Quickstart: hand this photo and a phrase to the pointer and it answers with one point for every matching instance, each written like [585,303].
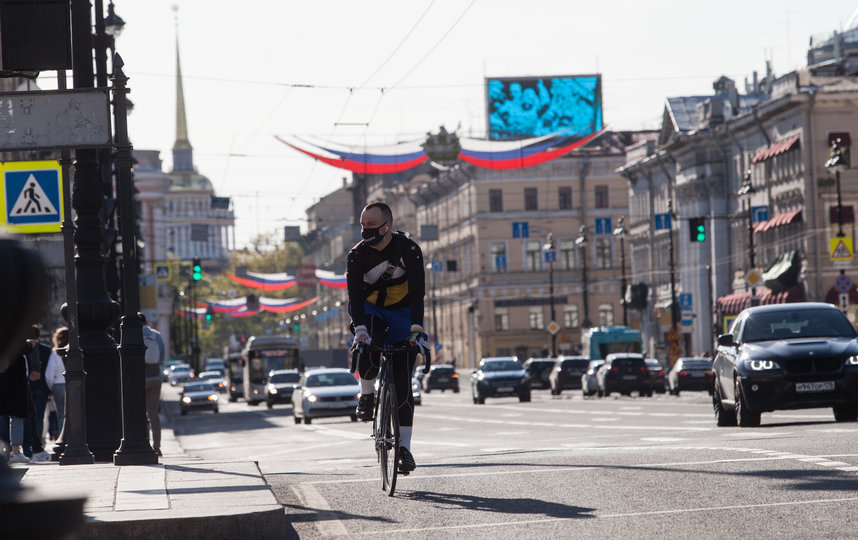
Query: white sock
[367,386]
[405,436]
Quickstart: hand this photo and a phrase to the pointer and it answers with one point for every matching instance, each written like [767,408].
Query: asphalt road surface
[557,467]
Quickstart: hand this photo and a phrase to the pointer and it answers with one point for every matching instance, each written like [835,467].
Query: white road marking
[326,521]
[610,516]
[662,439]
[433,476]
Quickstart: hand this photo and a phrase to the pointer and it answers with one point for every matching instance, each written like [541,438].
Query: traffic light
[697,229]
[197,270]
[296,327]
[209,314]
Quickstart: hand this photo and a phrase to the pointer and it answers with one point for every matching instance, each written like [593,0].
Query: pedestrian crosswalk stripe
[33,201]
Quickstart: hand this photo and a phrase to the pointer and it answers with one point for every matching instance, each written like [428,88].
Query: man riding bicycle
[386,286]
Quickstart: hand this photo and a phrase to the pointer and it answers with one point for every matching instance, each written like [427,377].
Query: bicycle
[385,417]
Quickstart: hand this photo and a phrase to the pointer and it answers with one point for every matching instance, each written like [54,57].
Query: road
[557,467]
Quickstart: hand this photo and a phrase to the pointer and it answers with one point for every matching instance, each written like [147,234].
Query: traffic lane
[668,491]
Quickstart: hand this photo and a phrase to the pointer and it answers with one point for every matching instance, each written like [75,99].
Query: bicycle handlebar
[386,349]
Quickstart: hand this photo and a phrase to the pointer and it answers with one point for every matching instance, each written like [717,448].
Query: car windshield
[502,365]
[696,364]
[181,369]
[331,379]
[571,364]
[797,324]
[627,362]
[442,371]
[285,378]
[207,376]
[199,387]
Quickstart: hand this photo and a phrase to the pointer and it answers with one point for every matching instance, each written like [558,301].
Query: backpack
[153,352]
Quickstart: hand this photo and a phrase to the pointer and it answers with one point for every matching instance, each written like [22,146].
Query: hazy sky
[253,70]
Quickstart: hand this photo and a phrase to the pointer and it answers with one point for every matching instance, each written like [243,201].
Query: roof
[683,111]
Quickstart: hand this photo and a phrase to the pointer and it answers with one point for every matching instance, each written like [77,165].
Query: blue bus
[600,341]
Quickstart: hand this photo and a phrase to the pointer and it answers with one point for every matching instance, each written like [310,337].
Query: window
[566,254]
[533,256]
[501,319]
[495,200]
[536,317]
[564,198]
[602,200]
[530,199]
[604,258]
[606,315]
[497,254]
[570,316]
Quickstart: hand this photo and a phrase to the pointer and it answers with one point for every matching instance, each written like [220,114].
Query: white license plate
[630,377]
[820,386]
[504,389]
[698,374]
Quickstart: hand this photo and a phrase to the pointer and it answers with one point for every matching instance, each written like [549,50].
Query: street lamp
[620,232]
[581,242]
[431,268]
[550,256]
[834,164]
[748,190]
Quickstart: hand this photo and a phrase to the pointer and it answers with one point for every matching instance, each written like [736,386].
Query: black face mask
[372,236]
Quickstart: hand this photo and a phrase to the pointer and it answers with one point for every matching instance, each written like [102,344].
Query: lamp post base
[135,453]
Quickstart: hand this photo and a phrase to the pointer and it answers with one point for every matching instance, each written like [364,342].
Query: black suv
[441,377]
[538,370]
[498,377]
[566,374]
[624,373]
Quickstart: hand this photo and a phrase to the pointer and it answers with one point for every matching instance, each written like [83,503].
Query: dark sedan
[786,356]
[498,377]
[690,374]
[566,374]
[624,373]
[198,395]
[280,385]
[441,377]
[657,375]
[538,370]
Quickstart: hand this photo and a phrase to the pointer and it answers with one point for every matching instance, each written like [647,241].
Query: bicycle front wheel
[388,439]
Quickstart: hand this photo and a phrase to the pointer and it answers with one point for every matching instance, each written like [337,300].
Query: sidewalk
[182,497]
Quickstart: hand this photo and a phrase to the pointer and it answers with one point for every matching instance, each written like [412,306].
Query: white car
[324,393]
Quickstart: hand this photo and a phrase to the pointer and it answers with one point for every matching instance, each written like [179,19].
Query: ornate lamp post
[581,242]
[550,256]
[834,164]
[620,232]
[748,190]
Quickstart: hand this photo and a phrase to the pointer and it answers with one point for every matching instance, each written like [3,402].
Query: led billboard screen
[522,107]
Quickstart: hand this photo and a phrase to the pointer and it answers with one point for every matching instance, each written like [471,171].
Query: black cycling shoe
[365,407]
[406,461]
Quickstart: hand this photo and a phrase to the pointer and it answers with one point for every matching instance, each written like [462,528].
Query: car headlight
[415,387]
[762,365]
[312,398]
[186,399]
[358,395]
[852,361]
[272,389]
[213,397]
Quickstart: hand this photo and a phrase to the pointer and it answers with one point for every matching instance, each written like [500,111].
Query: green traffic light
[296,328]
[701,233]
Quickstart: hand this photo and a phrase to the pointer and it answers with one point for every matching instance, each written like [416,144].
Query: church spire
[183,153]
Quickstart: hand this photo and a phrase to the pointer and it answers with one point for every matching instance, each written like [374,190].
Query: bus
[261,355]
[600,341]
[235,375]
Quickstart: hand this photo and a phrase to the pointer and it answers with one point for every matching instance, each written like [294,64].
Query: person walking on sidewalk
[37,401]
[155,360]
[13,407]
[55,375]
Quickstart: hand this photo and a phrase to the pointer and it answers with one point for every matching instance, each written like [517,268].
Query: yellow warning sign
[841,248]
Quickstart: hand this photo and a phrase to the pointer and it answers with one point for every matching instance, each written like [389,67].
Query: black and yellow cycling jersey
[391,278]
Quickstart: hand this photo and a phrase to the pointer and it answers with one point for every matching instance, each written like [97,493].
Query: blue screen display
[522,107]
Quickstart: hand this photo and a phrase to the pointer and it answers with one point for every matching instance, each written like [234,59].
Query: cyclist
[386,286]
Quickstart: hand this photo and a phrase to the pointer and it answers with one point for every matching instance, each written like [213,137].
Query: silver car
[324,393]
[589,384]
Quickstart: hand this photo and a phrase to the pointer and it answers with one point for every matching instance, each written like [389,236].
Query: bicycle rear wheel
[387,443]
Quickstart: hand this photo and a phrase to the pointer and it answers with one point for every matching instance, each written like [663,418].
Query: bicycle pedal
[403,473]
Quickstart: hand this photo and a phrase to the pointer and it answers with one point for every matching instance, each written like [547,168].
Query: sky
[378,72]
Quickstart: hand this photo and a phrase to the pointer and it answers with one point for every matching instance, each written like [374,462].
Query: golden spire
[182,150]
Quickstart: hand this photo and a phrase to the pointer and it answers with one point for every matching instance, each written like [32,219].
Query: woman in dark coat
[13,404]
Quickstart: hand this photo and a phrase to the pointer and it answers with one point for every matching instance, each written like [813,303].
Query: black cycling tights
[403,368]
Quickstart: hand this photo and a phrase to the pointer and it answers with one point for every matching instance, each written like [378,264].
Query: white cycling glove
[419,338]
[361,335]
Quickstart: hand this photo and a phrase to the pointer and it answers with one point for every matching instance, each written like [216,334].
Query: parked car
[415,391]
[690,373]
[325,392]
[786,356]
[198,395]
[538,370]
[656,375]
[181,374]
[441,377]
[500,376]
[216,364]
[280,385]
[168,369]
[215,378]
[589,384]
[624,373]
[566,373]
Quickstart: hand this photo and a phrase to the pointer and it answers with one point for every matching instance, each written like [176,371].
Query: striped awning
[776,149]
[733,304]
[779,220]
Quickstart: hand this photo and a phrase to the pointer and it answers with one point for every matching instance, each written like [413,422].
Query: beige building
[489,295]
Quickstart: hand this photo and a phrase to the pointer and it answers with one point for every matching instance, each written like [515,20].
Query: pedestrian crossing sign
[32,196]
[162,272]
[841,248]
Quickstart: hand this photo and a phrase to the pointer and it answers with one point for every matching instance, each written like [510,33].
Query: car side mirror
[726,340]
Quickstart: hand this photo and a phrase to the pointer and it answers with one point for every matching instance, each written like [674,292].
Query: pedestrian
[55,375]
[155,361]
[13,406]
[37,365]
